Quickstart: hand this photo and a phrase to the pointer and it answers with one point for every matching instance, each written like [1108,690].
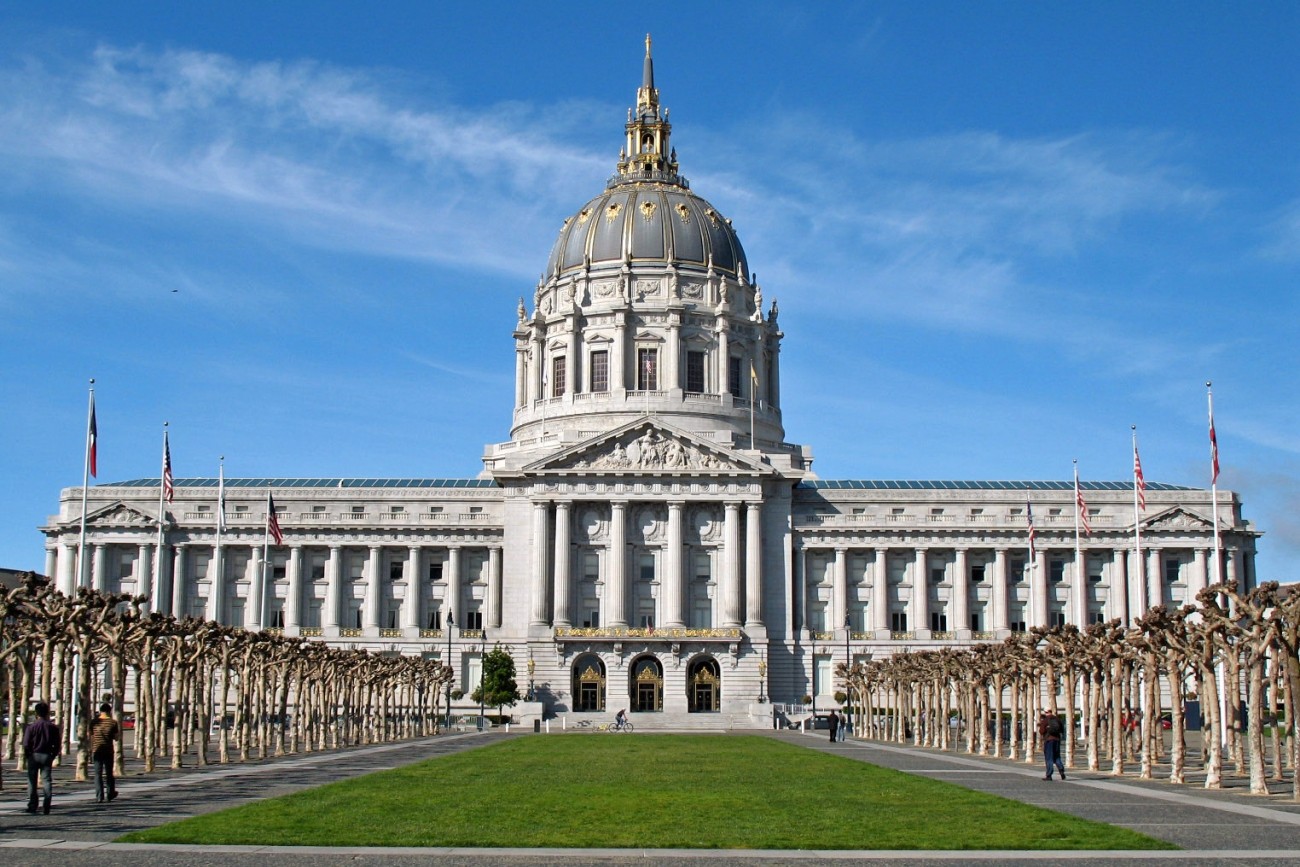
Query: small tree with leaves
[499,688]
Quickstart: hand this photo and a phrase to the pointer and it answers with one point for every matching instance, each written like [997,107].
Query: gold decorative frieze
[311,632]
[431,633]
[349,633]
[390,633]
[621,632]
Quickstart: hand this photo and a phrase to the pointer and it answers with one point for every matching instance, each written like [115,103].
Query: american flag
[1139,483]
[273,521]
[92,439]
[1080,504]
[168,483]
[1214,450]
[1033,534]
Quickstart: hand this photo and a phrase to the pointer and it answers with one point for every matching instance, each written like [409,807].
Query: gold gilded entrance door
[648,686]
[590,691]
[704,691]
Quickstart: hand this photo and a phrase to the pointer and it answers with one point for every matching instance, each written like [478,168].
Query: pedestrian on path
[42,744]
[1051,729]
[844,726]
[105,732]
[834,721]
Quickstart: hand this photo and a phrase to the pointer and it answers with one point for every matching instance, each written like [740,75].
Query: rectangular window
[390,618]
[898,621]
[977,573]
[435,616]
[733,377]
[1172,571]
[976,621]
[358,510]
[241,509]
[558,371]
[474,620]
[318,571]
[1056,571]
[647,369]
[316,510]
[395,570]
[1095,578]
[592,620]
[1017,571]
[435,572]
[1056,618]
[938,622]
[277,618]
[397,510]
[936,574]
[896,510]
[600,371]
[1017,626]
[279,572]
[695,383]
[1094,617]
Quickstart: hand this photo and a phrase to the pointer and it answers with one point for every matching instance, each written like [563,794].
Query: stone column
[674,579]
[616,581]
[563,566]
[179,580]
[839,589]
[333,613]
[921,594]
[1137,585]
[724,358]
[1038,589]
[618,355]
[374,589]
[880,592]
[52,563]
[754,564]
[67,582]
[494,587]
[1118,596]
[1001,603]
[1201,577]
[99,567]
[452,603]
[774,382]
[293,593]
[541,523]
[1232,566]
[413,578]
[162,588]
[257,590]
[799,610]
[537,384]
[1078,612]
[521,377]
[959,605]
[731,592]
[217,584]
[1155,578]
[144,570]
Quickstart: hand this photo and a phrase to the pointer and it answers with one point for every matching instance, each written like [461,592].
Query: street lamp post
[813,681]
[848,663]
[451,621]
[482,673]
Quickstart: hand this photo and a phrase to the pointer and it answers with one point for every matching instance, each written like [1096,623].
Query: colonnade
[739,585]
[150,574]
[1126,590]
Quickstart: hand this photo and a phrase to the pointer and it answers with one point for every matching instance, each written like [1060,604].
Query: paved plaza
[1226,827]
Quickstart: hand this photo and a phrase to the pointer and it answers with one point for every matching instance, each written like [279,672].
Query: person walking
[105,733]
[42,744]
[834,721]
[844,726]
[1051,729]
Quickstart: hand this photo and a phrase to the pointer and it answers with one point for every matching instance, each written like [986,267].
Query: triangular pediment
[1177,519]
[650,446]
[120,514]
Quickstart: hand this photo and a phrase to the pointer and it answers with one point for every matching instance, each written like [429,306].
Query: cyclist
[620,719]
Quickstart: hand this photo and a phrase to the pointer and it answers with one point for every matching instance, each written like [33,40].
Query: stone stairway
[667,721]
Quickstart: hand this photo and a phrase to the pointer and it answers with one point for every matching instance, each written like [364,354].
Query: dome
[647,223]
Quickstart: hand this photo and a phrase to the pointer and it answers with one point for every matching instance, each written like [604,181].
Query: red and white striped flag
[1214,448]
[1139,482]
[273,521]
[1033,534]
[168,483]
[1081,505]
[92,440]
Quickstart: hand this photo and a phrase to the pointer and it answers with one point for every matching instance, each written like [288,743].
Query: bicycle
[625,727]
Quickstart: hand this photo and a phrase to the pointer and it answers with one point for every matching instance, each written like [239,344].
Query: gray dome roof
[647,223]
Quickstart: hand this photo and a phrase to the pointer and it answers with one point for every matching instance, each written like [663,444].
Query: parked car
[128,722]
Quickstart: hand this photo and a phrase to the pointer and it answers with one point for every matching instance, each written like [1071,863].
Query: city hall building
[647,538]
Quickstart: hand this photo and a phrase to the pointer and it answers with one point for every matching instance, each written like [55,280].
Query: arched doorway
[704,686]
[647,685]
[588,683]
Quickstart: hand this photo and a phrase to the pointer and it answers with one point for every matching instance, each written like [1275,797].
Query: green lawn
[689,791]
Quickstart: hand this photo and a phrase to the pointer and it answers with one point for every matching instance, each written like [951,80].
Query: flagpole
[1214,486]
[162,517]
[266,547]
[85,485]
[1137,535]
[1080,586]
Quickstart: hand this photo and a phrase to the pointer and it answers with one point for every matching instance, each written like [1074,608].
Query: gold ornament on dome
[647,210]
[611,213]
[583,216]
[684,212]
[713,216]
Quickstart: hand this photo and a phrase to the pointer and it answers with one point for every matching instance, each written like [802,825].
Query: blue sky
[1000,234]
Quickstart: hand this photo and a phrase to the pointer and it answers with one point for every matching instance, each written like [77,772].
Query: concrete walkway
[1213,827]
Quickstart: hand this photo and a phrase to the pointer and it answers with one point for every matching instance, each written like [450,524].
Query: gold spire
[648,154]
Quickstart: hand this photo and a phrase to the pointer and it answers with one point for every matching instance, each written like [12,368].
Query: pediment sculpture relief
[650,451]
[1179,520]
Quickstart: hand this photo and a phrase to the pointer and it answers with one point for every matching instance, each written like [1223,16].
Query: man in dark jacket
[834,725]
[104,734]
[1051,728]
[42,744]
